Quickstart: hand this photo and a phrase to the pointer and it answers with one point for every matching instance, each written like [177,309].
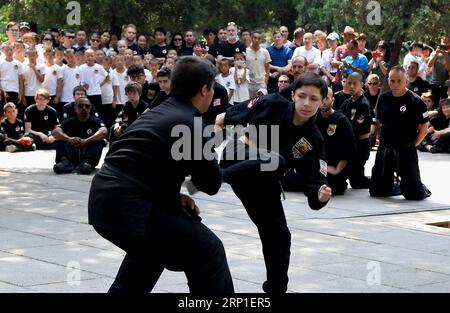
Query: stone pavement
[355,244]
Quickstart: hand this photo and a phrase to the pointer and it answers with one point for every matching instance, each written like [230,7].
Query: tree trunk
[395,55]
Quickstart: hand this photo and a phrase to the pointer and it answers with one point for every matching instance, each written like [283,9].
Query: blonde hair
[42,92]
[9,105]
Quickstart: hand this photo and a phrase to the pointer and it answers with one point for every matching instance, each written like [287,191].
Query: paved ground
[355,244]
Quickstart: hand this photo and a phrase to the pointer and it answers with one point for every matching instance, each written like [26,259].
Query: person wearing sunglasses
[372,94]
[79,141]
[69,39]
[95,41]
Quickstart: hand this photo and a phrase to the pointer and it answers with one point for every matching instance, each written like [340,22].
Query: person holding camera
[440,61]
[135,200]
[380,64]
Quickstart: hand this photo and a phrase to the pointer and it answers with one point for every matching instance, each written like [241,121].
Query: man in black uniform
[136,73]
[79,141]
[135,199]
[403,119]
[342,95]
[12,131]
[163,78]
[415,82]
[40,120]
[255,180]
[340,143]
[132,109]
[69,108]
[357,110]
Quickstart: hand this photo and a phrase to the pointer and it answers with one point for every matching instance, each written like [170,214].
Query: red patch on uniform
[251,103]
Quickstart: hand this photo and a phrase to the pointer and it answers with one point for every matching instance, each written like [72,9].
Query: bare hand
[188,202]
[220,120]
[324,193]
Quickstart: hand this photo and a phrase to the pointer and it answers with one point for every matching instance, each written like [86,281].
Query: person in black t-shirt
[40,120]
[403,118]
[340,143]
[79,141]
[342,95]
[12,132]
[438,137]
[372,94]
[132,109]
[163,78]
[416,83]
[160,49]
[357,110]
[233,44]
[69,108]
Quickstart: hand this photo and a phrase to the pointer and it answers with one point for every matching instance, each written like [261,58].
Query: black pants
[438,92]
[40,145]
[175,241]
[58,107]
[96,100]
[338,183]
[405,163]
[109,114]
[356,166]
[90,153]
[259,192]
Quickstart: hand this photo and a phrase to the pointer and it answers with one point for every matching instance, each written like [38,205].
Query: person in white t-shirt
[312,54]
[226,79]
[109,95]
[59,57]
[33,77]
[70,78]
[241,75]
[52,76]
[93,76]
[258,64]
[121,80]
[19,51]
[11,79]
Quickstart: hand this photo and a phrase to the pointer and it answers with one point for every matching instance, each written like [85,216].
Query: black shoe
[270,289]
[422,148]
[435,149]
[85,168]
[63,167]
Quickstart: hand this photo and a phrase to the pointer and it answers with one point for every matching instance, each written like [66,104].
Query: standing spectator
[19,51]
[415,52]
[68,39]
[121,47]
[339,55]
[246,37]
[298,39]
[12,31]
[95,42]
[226,79]
[285,32]
[121,79]
[177,42]
[189,39]
[130,38]
[53,74]
[142,45]
[81,41]
[105,39]
[327,57]
[159,50]
[320,39]
[362,42]
[70,78]
[440,61]
[380,64]
[258,63]
[233,44]
[355,61]
[312,54]
[281,60]
[33,77]
[241,75]
[283,82]
[113,42]
[210,36]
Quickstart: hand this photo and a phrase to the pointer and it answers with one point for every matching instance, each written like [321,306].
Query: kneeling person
[79,141]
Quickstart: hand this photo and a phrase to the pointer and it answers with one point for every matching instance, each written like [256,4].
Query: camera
[443,47]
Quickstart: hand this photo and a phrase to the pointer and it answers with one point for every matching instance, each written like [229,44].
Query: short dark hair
[135,70]
[311,79]
[208,31]
[163,72]
[246,30]
[353,42]
[77,101]
[160,30]
[398,68]
[79,88]
[357,76]
[185,69]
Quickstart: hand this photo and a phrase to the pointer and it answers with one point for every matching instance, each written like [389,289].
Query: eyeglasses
[372,84]
[71,37]
[95,40]
[86,106]
[14,29]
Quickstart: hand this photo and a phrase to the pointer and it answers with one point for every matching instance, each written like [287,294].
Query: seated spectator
[40,120]
[79,141]
[132,109]
[283,82]
[438,137]
[12,132]
[69,108]
[163,77]
[428,98]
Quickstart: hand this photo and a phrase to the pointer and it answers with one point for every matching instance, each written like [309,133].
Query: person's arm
[422,132]
[21,96]
[437,134]
[335,170]
[59,87]
[29,129]
[115,97]
[433,58]
[244,75]
[99,135]
[59,134]
[40,76]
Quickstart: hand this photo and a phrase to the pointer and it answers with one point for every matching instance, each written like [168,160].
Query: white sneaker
[10,148]
[33,147]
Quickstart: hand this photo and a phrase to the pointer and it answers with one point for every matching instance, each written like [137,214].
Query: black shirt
[339,98]
[13,131]
[158,99]
[159,51]
[338,135]
[214,49]
[228,50]
[373,103]
[419,86]
[400,118]
[130,113]
[141,179]
[218,105]
[440,122]
[73,127]
[134,47]
[69,110]
[186,51]
[41,121]
[358,112]
[301,146]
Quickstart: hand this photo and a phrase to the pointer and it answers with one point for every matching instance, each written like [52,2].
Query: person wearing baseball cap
[24,28]
[333,36]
